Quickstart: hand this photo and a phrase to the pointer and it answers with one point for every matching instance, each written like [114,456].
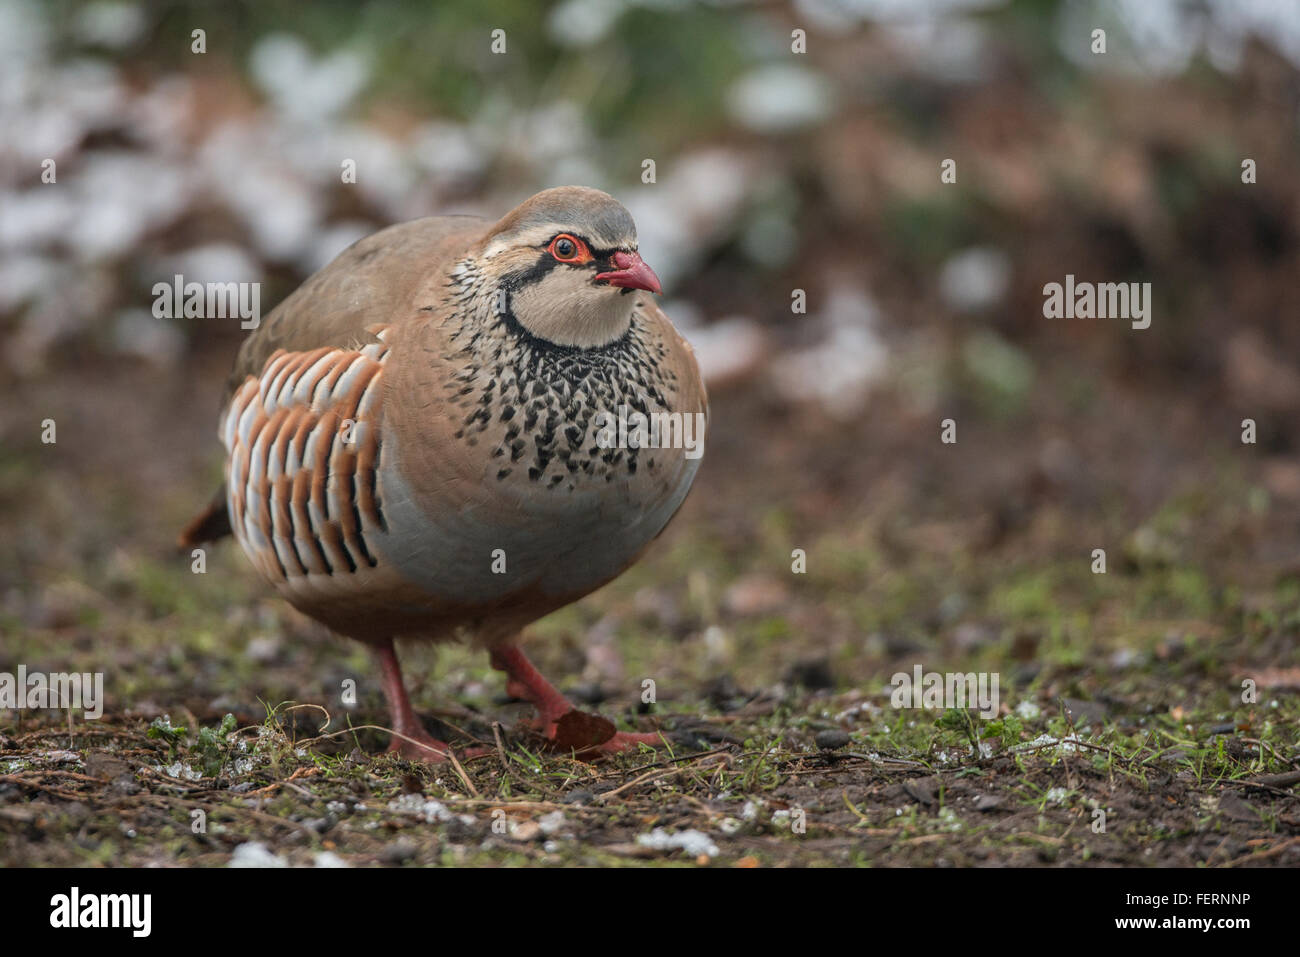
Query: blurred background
[775,171]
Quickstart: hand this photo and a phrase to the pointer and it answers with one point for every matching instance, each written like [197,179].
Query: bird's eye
[569,249]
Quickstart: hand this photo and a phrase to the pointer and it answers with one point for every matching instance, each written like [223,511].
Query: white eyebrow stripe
[540,235]
[532,236]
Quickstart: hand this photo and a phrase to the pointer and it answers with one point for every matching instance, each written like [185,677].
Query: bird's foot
[567,728]
[590,736]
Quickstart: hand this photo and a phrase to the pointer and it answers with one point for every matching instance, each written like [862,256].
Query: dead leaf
[580,731]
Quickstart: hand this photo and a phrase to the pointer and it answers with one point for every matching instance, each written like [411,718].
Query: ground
[1121,693]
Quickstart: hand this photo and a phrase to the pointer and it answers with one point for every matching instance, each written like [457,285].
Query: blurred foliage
[657,77]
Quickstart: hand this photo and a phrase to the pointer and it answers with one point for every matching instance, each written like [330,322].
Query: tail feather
[210,524]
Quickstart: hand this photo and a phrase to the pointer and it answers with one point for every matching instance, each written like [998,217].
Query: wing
[303,453]
[368,285]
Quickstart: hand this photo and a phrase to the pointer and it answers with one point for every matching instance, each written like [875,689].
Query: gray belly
[488,538]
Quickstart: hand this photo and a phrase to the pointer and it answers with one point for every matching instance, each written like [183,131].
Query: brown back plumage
[369,283]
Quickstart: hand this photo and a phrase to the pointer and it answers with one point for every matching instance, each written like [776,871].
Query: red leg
[415,743]
[526,682]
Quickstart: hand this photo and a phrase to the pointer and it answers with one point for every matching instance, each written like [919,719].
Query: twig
[517,805]
[1271,852]
[300,773]
[1264,744]
[684,757]
[1273,780]
[501,749]
[648,776]
[464,778]
[18,779]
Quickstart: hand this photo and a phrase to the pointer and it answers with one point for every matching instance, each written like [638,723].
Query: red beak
[632,273]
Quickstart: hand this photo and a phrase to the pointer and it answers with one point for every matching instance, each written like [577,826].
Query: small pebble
[832,739]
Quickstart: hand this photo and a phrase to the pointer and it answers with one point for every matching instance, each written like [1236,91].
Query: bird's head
[566,265]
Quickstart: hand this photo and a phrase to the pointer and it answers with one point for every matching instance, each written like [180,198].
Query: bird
[414,449]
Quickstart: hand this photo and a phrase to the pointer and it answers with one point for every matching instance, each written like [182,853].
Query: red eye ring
[568,248]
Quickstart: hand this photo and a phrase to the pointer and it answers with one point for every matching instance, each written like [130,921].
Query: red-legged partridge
[412,435]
